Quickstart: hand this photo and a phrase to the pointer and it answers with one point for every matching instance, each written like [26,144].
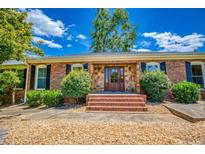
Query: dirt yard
[157,127]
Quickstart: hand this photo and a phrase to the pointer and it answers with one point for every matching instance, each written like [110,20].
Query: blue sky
[68,31]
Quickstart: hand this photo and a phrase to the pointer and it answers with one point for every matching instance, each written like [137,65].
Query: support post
[26,84]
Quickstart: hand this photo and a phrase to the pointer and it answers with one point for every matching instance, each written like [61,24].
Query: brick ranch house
[113,72]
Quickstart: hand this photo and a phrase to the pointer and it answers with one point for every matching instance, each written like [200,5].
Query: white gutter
[26,84]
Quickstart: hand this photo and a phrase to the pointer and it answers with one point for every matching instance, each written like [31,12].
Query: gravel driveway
[70,127]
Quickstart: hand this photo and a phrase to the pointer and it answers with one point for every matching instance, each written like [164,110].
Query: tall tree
[101,29]
[113,32]
[15,35]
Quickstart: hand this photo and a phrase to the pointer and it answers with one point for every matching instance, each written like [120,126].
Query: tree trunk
[13,97]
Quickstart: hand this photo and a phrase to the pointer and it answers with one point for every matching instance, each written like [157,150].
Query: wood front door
[114,79]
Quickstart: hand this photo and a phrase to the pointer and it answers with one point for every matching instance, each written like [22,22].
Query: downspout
[26,84]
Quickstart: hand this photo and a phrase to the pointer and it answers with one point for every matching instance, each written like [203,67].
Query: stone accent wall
[138,77]
[58,72]
[98,78]
[129,74]
[130,77]
[176,70]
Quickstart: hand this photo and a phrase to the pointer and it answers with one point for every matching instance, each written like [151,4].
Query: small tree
[8,82]
[155,84]
[76,85]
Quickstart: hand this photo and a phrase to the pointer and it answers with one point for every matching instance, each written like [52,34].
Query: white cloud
[173,42]
[69,37]
[72,25]
[69,45]
[81,36]
[22,9]
[140,50]
[43,25]
[134,46]
[145,44]
[50,44]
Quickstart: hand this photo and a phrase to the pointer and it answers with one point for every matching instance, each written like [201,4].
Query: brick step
[116,108]
[117,95]
[116,104]
[116,99]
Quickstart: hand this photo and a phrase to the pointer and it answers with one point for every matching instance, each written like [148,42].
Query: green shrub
[76,85]
[8,81]
[52,98]
[186,92]
[44,97]
[155,84]
[34,98]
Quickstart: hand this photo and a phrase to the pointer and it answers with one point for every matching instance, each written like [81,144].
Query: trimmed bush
[76,85]
[52,98]
[34,98]
[49,98]
[155,84]
[186,92]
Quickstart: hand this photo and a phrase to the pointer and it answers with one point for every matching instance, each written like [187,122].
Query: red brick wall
[58,72]
[176,70]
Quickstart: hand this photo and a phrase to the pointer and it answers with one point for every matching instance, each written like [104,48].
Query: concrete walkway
[3,133]
[102,116]
[191,112]
[17,110]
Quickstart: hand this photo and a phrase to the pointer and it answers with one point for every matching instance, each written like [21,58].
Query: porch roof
[120,56]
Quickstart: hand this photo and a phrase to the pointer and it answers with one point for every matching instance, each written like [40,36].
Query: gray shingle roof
[97,54]
[12,62]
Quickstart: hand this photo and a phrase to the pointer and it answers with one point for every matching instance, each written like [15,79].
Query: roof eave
[116,58]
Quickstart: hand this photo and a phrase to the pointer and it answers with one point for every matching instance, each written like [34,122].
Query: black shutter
[24,79]
[48,76]
[143,66]
[85,67]
[33,72]
[188,72]
[68,68]
[163,67]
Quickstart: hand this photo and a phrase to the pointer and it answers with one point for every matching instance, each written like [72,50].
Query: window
[21,78]
[77,67]
[197,69]
[114,75]
[41,73]
[152,66]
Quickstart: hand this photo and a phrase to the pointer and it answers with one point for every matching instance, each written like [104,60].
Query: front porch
[115,77]
[114,87]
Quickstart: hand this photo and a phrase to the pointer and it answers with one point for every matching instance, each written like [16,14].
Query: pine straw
[65,131]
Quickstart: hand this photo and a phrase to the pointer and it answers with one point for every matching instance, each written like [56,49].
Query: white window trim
[76,65]
[152,63]
[203,68]
[36,76]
